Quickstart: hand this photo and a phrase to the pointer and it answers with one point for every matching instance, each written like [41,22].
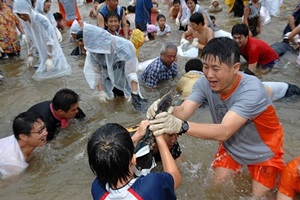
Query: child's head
[111,154]
[196,19]
[96,3]
[193,64]
[59,20]
[215,3]
[131,9]
[112,21]
[151,31]
[213,19]
[161,20]
[79,38]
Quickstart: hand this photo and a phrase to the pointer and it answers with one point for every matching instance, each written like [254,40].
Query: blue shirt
[157,71]
[142,11]
[154,186]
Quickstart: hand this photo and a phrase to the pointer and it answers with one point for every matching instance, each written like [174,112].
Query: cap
[151,28]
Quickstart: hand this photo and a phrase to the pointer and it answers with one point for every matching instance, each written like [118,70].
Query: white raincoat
[110,61]
[40,9]
[42,34]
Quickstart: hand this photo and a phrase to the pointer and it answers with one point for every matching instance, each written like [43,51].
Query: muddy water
[60,169]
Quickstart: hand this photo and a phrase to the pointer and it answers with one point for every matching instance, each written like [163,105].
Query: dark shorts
[141,26]
[269,65]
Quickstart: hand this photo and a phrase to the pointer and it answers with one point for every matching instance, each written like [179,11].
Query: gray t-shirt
[254,142]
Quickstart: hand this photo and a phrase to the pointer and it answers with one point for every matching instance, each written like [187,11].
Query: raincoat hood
[75,28]
[96,39]
[22,7]
[40,6]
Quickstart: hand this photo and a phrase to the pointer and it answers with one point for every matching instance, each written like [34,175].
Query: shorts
[269,65]
[264,174]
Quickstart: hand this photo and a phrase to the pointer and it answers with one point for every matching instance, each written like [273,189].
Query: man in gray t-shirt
[245,121]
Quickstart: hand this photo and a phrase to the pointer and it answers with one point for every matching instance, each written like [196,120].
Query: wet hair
[167,45]
[64,99]
[193,64]
[23,123]
[131,9]
[241,29]
[99,1]
[57,16]
[212,17]
[197,18]
[195,1]
[226,49]
[176,1]
[111,15]
[160,16]
[110,151]
[150,36]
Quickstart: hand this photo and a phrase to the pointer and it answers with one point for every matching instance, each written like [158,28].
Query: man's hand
[151,112]
[49,64]
[30,61]
[165,123]
[184,41]
[195,42]
[177,21]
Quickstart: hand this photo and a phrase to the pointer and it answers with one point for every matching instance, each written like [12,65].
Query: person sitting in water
[15,150]
[175,10]
[111,158]
[199,31]
[151,32]
[289,182]
[193,69]
[79,50]
[256,52]
[163,67]
[112,22]
[58,112]
[162,27]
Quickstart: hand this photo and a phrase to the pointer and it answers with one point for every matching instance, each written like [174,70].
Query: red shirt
[258,51]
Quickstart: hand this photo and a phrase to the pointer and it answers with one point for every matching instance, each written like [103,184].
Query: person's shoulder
[155,178]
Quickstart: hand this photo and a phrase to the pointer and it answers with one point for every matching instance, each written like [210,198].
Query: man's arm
[252,67]
[100,20]
[219,132]
[245,21]
[124,25]
[185,110]
[291,21]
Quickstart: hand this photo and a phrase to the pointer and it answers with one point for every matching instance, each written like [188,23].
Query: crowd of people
[245,123]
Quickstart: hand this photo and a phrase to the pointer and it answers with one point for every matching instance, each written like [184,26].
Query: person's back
[112,146]
[193,69]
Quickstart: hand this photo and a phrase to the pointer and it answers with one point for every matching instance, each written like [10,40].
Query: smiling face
[240,39]
[113,24]
[220,76]
[191,4]
[47,6]
[38,134]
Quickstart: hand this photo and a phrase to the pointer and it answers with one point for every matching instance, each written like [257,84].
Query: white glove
[102,96]
[24,39]
[165,123]
[177,21]
[49,64]
[151,112]
[185,22]
[30,61]
[184,41]
[195,42]
[58,34]
[159,11]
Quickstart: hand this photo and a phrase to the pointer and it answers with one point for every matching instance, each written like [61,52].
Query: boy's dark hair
[160,16]
[226,49]
[64,99]
[57,16]
[23,123]
[79,35]
[212,17]
[193,64]
[241,29]
[110,15]
[195,1]
[197,18]
[131,9]
[175,1]
[99,1]
[110,151]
